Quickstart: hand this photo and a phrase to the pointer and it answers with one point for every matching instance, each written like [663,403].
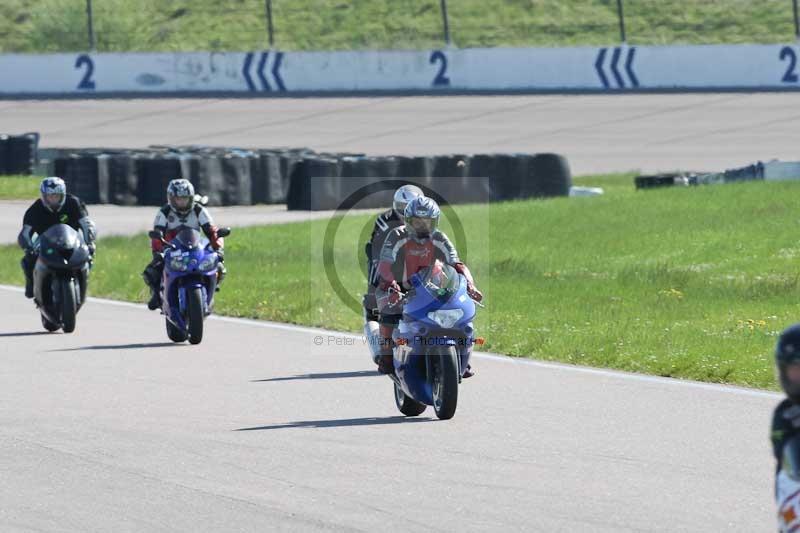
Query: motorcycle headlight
[176,263]
[208,263]
[447,318]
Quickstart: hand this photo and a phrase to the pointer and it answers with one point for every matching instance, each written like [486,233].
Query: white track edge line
[617,374]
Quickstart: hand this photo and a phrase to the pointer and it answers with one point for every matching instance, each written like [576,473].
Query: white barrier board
[621,68]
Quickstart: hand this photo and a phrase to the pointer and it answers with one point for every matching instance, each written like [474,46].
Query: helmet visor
[181,202]
[400,207]
[54,200]
[422,226]
[791,374]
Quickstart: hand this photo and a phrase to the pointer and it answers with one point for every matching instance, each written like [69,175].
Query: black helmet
[787,353]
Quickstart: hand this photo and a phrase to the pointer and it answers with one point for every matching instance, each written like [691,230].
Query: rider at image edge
[407,250]
[182,210]
[785,431]
[54,206]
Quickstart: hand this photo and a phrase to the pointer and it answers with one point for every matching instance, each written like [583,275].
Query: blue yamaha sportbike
[433,342]
[189,283]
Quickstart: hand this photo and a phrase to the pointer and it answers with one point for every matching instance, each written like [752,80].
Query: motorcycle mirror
[223,232]
[155,234]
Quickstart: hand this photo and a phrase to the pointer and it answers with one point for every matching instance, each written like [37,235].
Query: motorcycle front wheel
[195,304]
[69,307]
[444,381]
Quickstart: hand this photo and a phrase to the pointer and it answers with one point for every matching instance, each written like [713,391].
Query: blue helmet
[54,193]
[422,218]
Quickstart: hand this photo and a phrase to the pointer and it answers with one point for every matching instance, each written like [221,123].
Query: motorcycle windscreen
[790,462]
[440,279]
[188,238]
[59,237]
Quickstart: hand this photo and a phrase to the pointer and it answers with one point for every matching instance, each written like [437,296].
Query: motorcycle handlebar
[404,295]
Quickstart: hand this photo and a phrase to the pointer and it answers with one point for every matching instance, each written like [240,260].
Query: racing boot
[386,364]
[152,278]
[386,360]
[155,300]
[28,277]
[221,273]
[28,287]
[468,373]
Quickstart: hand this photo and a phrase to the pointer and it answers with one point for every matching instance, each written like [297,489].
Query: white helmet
[54,193]
[180,195]
[403,196]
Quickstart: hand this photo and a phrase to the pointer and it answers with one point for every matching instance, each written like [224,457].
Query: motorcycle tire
[444,381]
[406,404]
[49,326]
[196,315]
[69,307]
[174,333]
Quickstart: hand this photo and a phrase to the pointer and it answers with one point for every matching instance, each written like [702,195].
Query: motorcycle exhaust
[371,331]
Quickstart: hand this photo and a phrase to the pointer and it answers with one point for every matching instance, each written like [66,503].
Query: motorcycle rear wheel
[406,404]
[49,326]
[174,333]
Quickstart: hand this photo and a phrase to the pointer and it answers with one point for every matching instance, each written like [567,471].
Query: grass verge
[146,25]
[19,187]
[685,282]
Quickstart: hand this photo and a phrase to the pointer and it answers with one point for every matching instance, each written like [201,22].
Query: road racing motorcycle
[432,343]
[188,283]
[61,276]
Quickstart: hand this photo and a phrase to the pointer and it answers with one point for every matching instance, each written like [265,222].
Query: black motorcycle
[61,277]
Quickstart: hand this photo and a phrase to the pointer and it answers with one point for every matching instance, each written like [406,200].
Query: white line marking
[617,374]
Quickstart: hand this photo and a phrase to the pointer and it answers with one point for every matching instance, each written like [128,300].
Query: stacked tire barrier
[324,183]
[304,179]
[759,171]
[18,153]
[140,177]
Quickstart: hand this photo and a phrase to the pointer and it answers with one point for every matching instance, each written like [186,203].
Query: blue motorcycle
[433,342]
[189,283]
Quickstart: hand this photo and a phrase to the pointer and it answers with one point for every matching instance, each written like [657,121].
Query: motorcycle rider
[786,418]
[407,250]
[54,206]
[180,211]
[384,225]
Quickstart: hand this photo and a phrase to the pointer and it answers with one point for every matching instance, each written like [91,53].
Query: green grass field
[144,25]
[686,282]
[19,187]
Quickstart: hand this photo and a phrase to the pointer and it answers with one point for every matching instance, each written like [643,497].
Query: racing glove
[395,292]
[474,293]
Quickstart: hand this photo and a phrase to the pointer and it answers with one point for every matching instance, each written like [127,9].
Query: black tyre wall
[80,175]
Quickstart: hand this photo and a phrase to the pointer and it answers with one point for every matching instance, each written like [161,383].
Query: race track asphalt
[597,133]
[265,427]
[259,428]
